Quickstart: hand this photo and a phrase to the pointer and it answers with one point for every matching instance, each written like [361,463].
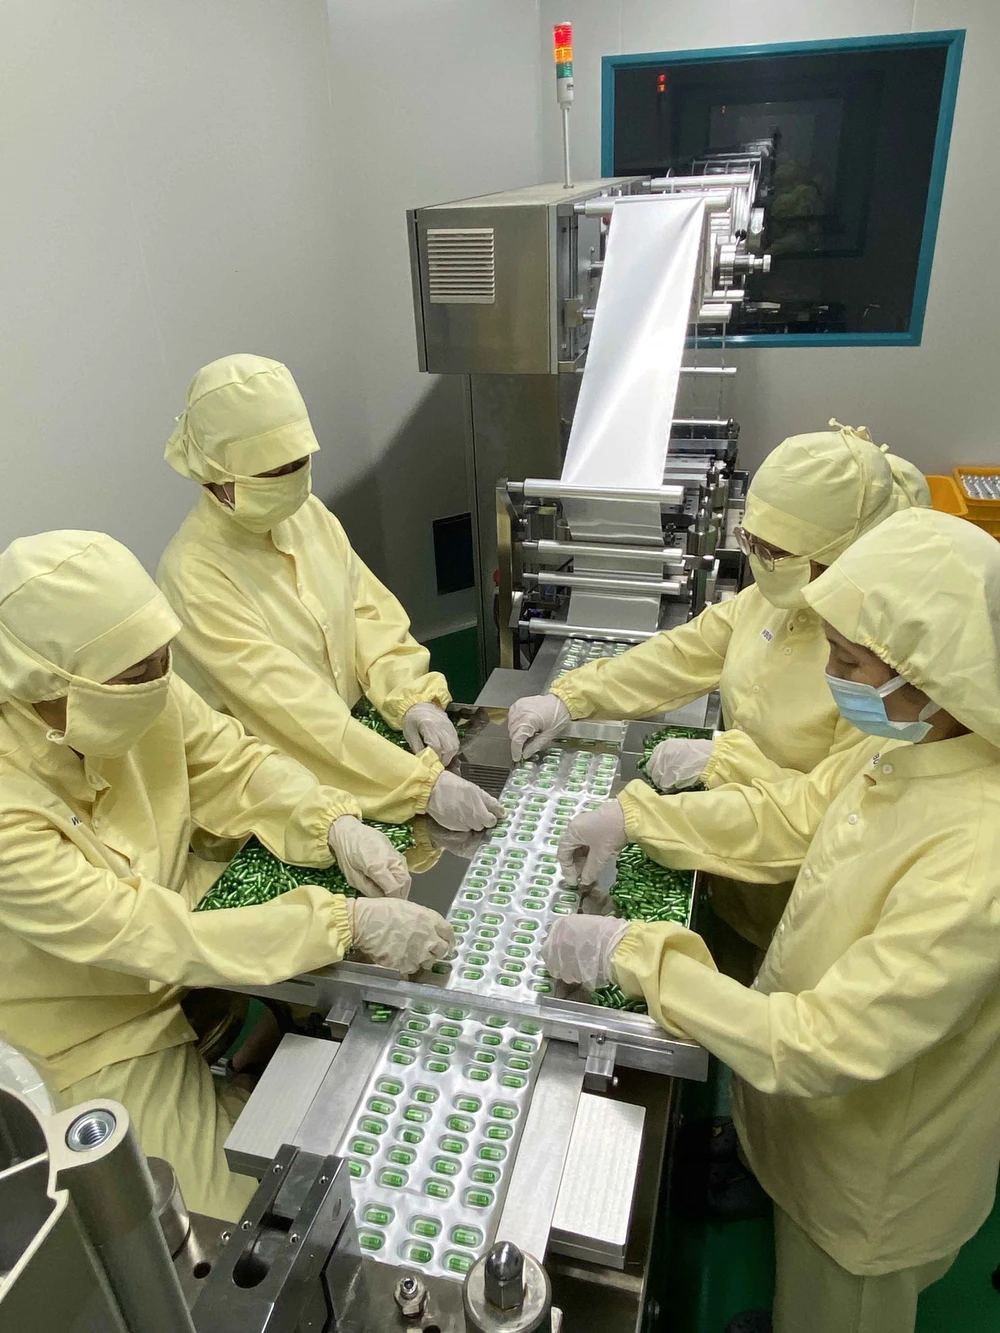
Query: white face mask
[261,503]
[106,721]
[784,584]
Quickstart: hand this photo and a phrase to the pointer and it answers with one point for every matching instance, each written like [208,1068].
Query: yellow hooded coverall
[867,1053]
[812,496]
[97,885]
[286,629]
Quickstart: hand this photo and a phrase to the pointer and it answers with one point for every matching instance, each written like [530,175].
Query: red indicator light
[562,41]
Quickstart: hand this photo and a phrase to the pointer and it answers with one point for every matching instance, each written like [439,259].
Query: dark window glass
[853,135]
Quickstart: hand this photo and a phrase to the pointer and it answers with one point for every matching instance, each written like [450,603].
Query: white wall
[169,196]
[933,403]
[439,100]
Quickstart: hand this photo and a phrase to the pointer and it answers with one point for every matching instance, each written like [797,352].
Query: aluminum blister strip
[436,1131]
[578,652]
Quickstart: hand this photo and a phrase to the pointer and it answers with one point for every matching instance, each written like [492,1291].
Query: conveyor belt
[437,1128]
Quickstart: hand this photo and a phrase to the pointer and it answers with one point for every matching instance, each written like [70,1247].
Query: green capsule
[512,965]
[377,1216]
[411,1135]
[484,1057]
[372,1126]
[446,1166]
[417,1025]
[419,1254]
[458,1263]
[460,1124]
[446,1030]
[442,969]
[490,1153]
[426,1095]
[364,1147]
[359,1169]
[505,980]
[516,951]
[520,938]
[390,1086]
[471,974]
[485,1175]
[411,1043]
[469,1236]
[391,1180]
[496,1021]
[468,1104]
[453,1145]
[519,1063]
[542,987]
[436,1066]
[416,1115]
[443,1047]
[501,1132]
[491,919]
[513,1081]
[371,1240]
[425,1226]
[477,1198]
[438,1189]
[455,1014]
[402,1156]
[477,1074]
[519,1044]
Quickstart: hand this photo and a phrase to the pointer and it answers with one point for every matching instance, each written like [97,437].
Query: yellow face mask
[262,503]
[784,584]
[106,721]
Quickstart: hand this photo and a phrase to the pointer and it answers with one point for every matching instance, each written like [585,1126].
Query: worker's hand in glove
[397,934]
[579,949]
[591,840]
[460,842]
[535,722]
[368,860]
[677,764]
[458,804]
[428,725]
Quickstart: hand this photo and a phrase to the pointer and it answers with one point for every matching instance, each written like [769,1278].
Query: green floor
[717,1271]
[456,656]
[721,1270]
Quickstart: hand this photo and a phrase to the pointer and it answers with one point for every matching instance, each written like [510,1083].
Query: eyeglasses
[751,545]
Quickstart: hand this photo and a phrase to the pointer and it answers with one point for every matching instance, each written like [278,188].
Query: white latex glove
[457,804]
[535,722]
[460,842]
[678,763]
[428,725]
[368,860]
[591,840]
[398,934]
[579,949]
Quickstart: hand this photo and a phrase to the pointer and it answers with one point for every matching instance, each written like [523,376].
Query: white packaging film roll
[621,428]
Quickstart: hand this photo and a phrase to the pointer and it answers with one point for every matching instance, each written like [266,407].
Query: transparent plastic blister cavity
[578,652]
[436,1131]
[435,1134]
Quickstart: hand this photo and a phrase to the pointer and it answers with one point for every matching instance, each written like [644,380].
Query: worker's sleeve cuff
[624,959]
[433,768]
[342,915]
[714,773]
[431,688]
[632,809]
[339,803]
[576,703]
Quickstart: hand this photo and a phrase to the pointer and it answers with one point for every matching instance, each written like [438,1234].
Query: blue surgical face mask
[864,707]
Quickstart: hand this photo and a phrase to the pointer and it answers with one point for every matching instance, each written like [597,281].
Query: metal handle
[594,582]
[541,488]
[543,547]
[560,629]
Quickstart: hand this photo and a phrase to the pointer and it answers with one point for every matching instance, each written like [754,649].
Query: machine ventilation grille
[461,264]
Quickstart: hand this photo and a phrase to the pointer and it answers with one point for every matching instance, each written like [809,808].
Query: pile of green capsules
[368,715]
[670,734]
[645,891]
[255,875]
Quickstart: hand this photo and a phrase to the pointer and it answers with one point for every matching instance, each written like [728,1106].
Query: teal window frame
[952,39]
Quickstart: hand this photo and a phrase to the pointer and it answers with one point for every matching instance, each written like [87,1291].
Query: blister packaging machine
[506,289]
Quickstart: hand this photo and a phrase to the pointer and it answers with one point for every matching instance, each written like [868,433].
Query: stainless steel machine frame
[505,288]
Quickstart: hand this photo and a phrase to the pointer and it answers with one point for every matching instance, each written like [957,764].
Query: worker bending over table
[867,1052]
[108,764]
[282,625]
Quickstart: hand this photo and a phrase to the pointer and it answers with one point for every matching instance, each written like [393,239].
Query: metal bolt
[225,1237]
[503,1277]
[410,1295]
[277,1168]
[245,1226]
[294,1238]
